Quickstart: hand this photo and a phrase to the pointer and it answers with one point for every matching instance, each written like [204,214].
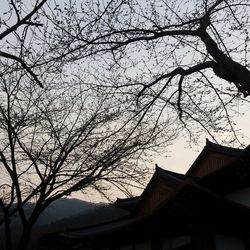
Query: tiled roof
[191,198]
[222,149]
[216,148]
[233,176]
[126,203]
[168,176]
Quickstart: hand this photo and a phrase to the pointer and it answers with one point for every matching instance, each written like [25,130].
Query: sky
[181,155]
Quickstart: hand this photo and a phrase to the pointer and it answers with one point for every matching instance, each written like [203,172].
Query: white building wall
[167,244]
[241,196]
[229,243]
[175,242]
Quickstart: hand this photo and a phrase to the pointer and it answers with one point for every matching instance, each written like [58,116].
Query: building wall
[241,196]
[155,195]
[229,243]
[211,162]
[161,244]
[173,243]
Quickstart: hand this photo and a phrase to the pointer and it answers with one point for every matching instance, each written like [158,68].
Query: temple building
[208,208]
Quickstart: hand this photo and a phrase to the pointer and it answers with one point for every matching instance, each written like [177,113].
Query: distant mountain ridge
[58,210]
[64,214]
[99,213]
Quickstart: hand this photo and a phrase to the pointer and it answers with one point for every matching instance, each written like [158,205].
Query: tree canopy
[89,88]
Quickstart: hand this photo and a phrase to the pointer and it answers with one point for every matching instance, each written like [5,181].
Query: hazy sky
[181,156]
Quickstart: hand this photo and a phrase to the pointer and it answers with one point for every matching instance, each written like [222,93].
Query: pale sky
[181,156]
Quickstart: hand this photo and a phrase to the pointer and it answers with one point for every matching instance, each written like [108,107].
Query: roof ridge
[222,148]
[166,171]
[167,174]
[217,148]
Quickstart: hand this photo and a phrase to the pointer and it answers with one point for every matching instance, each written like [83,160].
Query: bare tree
[87,88]
[188,57]
[61,139]
[69,135]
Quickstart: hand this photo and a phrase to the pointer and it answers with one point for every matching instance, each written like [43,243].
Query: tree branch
[22,21]
[24,65]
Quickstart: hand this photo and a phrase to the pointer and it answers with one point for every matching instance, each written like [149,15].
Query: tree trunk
[25,237]
[27,232]
[24,241]
[8,240]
